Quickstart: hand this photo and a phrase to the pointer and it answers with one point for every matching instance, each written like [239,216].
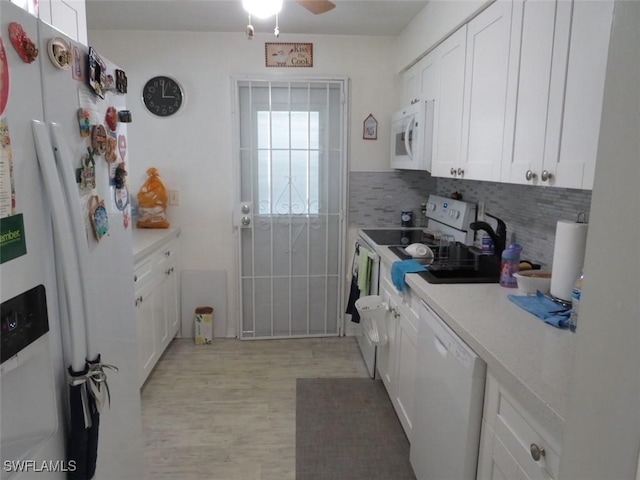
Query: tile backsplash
[531,213]
[377,198]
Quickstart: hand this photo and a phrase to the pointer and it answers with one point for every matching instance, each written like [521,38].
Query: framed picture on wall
[370,128]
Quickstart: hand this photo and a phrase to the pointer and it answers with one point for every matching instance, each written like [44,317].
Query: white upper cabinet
[485,96]
[558,58]
[537,72]
[518,93]
[442,79]
[410,86]
[584,93]
[68,16]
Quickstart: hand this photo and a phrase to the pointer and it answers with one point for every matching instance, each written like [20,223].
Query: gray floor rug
[346,429]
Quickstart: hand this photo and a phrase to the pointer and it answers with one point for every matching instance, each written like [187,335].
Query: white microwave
[412,136]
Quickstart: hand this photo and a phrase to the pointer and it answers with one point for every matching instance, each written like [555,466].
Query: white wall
[435,22]
[602,432]
[193,150]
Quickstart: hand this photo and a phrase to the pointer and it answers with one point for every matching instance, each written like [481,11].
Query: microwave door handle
[407,143]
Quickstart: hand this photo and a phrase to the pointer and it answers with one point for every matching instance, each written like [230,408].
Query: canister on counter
[406,218]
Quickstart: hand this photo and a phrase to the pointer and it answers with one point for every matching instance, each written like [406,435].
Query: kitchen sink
[462,265]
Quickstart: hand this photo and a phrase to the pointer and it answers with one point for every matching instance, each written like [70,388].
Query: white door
[290,215]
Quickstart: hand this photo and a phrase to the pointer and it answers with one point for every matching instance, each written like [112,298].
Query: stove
[395,237]
[447,216]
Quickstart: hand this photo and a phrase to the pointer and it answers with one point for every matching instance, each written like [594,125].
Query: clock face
[162,96]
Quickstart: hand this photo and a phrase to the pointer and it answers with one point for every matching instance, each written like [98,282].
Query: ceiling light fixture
[262,8]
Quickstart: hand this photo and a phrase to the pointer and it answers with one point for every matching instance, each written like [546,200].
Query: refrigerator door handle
[64,244]
[70,190]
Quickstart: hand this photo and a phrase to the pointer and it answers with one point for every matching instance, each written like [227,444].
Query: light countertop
[146,240]
[531,359]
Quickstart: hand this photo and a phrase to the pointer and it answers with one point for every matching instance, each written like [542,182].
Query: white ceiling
[350,17]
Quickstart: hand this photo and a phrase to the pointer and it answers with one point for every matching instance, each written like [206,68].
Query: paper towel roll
[568,257]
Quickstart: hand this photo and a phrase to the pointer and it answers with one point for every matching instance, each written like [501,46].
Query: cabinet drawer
[518,432]
[167,253]
[518,437]
[142,273]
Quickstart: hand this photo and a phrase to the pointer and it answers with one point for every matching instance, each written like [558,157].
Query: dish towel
[545,308]
[354,294]
[364,270]
[399,269]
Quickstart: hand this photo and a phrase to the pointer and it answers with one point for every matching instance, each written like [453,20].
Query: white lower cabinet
[513,445]
[385,361]
[397,359]
[157,307]
[148,307]
[407,360]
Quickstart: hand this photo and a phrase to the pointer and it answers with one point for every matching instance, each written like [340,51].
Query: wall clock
[162,96]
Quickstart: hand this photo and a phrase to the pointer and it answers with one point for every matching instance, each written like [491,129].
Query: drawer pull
[167,253]
[537,452]
[135,278]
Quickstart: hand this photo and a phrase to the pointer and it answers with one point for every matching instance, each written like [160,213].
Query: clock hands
[163,90]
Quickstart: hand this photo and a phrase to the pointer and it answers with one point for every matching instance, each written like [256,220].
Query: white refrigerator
[39,344]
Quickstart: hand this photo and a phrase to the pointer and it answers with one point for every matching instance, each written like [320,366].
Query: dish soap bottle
[576,293]
[509,265]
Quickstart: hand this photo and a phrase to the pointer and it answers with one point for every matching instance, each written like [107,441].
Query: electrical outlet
[480,213]
[174,197]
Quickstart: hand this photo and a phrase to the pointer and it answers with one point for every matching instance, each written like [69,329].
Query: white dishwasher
[448,403]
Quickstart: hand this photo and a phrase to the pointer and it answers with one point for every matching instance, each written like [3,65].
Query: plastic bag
[152,202]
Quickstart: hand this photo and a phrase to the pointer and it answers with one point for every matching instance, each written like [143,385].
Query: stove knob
[431,206]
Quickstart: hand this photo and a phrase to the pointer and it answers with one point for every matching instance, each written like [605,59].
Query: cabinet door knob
[546,175]
[452,171]
[135,278]
[530,175]
[167,253]
[460,171]
[537,452]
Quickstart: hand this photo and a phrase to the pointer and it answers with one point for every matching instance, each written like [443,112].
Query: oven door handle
[372,254]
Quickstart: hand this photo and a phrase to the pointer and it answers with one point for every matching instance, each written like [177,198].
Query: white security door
[290,215]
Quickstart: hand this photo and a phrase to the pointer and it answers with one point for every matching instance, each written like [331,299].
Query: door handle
[407,136]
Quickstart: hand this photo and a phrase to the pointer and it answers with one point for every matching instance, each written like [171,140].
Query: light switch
[174,197]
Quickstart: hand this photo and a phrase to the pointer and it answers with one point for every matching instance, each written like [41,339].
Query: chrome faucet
[499,236]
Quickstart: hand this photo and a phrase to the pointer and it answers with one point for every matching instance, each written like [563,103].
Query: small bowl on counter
[530,281]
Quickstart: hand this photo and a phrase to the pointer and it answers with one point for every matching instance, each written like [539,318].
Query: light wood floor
[227,411]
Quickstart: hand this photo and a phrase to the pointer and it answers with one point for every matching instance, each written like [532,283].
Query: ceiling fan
[317,6]
[265,9]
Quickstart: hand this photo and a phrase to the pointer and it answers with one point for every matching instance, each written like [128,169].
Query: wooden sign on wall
[288,54]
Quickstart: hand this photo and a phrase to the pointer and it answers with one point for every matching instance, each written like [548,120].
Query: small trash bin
[373,317]
[203,326]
